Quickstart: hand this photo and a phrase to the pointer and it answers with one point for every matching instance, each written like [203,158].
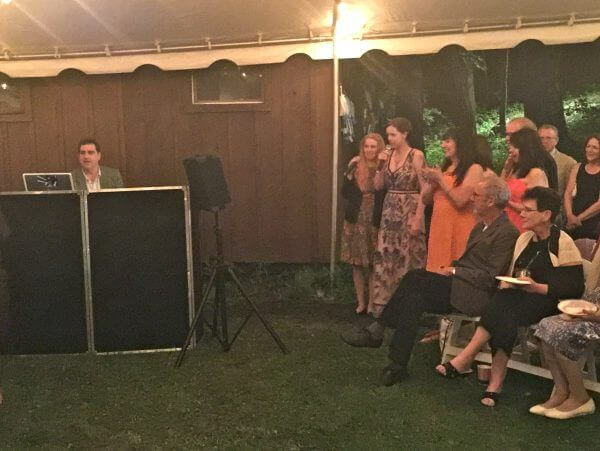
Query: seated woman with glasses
[548,266]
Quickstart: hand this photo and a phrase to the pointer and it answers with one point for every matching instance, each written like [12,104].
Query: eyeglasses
[529,210]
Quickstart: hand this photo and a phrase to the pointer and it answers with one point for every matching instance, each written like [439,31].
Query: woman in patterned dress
[401,240]
[361,219]
[564,341]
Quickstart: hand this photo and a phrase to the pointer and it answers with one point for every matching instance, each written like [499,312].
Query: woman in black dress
[581,201]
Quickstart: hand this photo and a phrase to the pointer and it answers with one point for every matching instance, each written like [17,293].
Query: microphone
[388,151]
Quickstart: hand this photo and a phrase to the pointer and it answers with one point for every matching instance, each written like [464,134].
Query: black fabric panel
[208,187]
[139,269]
[42,295]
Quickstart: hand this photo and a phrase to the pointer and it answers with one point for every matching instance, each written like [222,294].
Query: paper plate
[513,280]
[574,307]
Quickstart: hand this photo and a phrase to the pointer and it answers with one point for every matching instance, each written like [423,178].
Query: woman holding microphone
[362,215]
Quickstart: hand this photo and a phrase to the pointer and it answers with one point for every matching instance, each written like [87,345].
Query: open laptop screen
[57,181]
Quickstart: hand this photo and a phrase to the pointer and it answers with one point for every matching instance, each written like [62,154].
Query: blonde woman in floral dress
[362,214]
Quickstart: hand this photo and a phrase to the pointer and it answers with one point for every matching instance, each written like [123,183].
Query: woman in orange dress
[522,170]
[451,189]
[361,219]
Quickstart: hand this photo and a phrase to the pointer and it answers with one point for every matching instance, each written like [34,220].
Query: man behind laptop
[466,286]
[90,176]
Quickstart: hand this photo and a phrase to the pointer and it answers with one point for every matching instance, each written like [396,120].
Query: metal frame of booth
[87,273]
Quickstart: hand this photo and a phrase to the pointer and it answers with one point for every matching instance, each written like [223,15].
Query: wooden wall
[277,158]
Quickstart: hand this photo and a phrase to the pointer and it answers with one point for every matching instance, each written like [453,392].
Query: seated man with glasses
[466,287]
[548,267]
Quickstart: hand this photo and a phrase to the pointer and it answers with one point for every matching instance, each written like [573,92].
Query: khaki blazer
[564,164]
[488,254]
[109,178]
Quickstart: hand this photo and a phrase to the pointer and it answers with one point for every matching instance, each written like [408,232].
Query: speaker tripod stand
[220,273]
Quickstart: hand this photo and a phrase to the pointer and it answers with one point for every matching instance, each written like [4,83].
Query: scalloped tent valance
[42,38]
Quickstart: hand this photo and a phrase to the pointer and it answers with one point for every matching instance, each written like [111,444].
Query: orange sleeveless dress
[517,188]
[449,229]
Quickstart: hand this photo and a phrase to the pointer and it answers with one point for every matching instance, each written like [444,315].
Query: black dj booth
[104,271]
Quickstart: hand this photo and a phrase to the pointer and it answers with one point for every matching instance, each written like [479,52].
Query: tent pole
[334,168]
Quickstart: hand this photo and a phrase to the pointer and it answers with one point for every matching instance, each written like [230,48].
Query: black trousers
[510,309]
[419,292]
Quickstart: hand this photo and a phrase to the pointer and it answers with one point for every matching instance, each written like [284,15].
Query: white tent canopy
[42,37]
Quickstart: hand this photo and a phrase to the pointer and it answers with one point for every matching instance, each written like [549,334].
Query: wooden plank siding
[277,159]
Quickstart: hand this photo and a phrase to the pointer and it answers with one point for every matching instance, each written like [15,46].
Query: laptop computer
[48,181]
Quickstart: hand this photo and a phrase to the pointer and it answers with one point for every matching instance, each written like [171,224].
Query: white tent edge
[255,53]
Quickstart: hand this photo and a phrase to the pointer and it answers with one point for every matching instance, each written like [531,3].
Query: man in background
[549,136]
[90,176]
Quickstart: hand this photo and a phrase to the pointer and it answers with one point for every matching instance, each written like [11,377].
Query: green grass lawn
[322,395]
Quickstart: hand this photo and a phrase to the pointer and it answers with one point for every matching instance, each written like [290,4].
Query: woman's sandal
[451,372]
[493,396]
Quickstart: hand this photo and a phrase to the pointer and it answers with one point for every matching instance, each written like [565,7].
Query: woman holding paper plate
[564,340]
[547,267]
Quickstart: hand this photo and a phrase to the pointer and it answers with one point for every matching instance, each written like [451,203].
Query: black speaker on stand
[209,192]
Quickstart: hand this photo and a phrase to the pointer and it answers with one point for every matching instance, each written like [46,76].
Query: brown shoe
[392,374]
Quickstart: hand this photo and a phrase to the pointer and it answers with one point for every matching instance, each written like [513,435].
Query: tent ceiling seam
[161,47]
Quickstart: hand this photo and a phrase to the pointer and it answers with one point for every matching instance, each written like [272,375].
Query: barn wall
[277,159]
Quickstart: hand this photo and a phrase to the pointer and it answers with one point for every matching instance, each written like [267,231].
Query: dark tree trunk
[535,81]
[460,105]
[409,96]
[397,85]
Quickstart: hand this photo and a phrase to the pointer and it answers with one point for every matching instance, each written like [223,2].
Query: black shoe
[393,373]
[361,338]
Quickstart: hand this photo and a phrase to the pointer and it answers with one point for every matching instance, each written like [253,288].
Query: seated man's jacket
[488,254]
[109,178]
